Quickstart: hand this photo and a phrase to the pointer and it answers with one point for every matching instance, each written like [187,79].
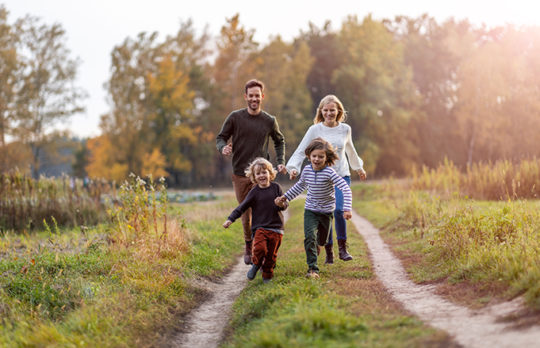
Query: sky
[94,27]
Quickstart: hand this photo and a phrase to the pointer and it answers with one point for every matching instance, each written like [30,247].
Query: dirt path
[470,328]
[204,326]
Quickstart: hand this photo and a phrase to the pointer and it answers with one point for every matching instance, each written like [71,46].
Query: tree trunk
[470,150]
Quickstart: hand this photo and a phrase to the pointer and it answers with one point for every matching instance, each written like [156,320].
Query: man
[250,129]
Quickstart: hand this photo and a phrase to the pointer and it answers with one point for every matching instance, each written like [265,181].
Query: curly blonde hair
[342,114]
[264,164]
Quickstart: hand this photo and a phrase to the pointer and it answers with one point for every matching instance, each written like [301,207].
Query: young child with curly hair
[267,218]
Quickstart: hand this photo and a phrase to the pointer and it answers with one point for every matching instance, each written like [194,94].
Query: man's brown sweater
[250,137]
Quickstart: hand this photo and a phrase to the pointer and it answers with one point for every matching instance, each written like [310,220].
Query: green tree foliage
[229,75]
[327,56]
[80,160]
[284,68]
[430,50]
[376,87]
[191,142]
[126,126]
[416,92]
[234,46]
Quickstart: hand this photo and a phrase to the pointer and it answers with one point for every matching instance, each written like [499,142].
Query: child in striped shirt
[319,180]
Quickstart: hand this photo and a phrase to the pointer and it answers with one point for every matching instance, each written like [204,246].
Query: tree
[158,94]
[103,162]
[80,160]
[173,104]
[522,105]
[48,93]
[376,87]
[126,128]
[284,68]
[498,95]
[327,56]
[433,53]
[9,71]
[235,44]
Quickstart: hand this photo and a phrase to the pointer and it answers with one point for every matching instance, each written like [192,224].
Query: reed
[27,204]
[501,180]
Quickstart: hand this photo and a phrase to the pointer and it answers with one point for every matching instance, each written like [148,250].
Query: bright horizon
[117,20]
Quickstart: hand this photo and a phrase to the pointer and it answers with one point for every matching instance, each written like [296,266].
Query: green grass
[490,244]
[346,307]
[86,290]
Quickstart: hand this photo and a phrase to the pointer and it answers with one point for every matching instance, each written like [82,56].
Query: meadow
[130,279]
[125,282]
[476,231]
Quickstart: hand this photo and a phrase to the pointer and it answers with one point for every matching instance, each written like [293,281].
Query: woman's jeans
[341,223]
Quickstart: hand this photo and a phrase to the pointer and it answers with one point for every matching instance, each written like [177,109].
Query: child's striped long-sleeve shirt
[320,189]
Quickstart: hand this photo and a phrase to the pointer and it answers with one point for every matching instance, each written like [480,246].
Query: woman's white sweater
[341,139]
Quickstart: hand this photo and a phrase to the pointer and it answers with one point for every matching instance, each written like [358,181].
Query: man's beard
[254,105]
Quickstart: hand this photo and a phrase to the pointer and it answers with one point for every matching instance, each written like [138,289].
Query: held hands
[293,174]
[281,168]
[347,215]
[227,150]
[281,202]
[227,223]
[362,174]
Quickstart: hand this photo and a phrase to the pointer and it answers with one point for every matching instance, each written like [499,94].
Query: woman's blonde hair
[342,114]
[260,162]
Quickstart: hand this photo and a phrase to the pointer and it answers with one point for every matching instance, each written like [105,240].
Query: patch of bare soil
[491,326]
[204,326]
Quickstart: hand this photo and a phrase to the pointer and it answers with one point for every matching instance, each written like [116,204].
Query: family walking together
[330,151]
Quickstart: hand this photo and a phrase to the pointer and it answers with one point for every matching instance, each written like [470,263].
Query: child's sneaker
[312,274]
[267,280]
[252,271]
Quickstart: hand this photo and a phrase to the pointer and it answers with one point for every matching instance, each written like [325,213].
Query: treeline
[37,91]
[416,91]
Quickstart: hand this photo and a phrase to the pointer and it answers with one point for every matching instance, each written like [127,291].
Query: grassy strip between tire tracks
[346,307]
[73,289]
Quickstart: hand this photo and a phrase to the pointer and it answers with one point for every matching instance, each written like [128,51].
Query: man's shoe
[253,272]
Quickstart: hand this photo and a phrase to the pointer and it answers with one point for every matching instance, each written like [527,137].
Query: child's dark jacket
[265,214]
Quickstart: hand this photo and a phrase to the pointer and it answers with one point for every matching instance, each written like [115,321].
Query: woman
[328,124]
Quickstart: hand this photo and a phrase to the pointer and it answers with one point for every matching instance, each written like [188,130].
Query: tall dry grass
[27,204]
[501,180]
[140,219]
